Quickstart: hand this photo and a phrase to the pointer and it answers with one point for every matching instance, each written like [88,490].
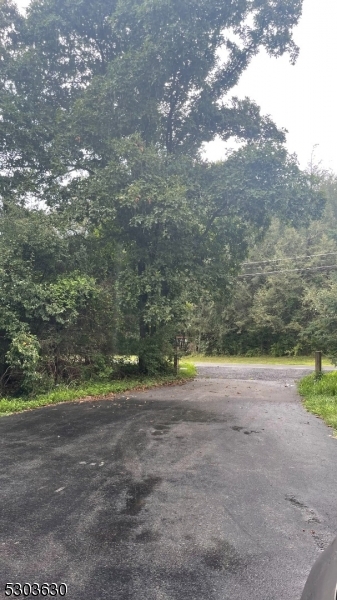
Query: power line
[288,271]
[259,262]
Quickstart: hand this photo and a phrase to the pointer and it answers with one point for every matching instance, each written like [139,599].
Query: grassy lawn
[96,389]
[320,396]
[305,361]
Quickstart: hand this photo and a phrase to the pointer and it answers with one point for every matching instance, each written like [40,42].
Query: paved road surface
[224,488]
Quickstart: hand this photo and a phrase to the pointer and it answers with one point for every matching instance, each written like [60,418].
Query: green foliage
[105,107]
[324,386]
[65,297]
[23,356]
[320,396]
[156,351]
[323,327]
[288,312]
[51,315]
[95,389]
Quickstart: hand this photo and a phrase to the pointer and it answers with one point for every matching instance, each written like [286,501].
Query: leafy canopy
[105,107]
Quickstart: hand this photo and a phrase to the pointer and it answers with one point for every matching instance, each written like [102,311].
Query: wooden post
[176,361]
[318,362]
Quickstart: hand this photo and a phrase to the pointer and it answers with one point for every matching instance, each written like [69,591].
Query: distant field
[305,361]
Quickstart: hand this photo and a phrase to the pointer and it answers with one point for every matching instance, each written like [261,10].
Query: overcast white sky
[301,98]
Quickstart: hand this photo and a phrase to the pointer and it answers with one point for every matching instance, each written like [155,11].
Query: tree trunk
[143,327]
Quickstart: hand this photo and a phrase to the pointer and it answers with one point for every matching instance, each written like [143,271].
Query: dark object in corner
[322,581]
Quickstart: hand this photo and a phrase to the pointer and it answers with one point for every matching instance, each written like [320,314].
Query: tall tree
[105,109]
[159,68]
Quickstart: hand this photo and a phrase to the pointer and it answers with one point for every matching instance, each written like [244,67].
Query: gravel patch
[253,373]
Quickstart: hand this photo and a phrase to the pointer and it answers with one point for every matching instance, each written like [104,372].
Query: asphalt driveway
[224,488]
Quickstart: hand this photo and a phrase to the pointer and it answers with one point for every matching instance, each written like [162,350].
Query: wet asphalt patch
[216,489]
[137,493]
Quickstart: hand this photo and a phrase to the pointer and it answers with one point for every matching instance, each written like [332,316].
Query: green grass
[305,361]
[320,396]
[96,389]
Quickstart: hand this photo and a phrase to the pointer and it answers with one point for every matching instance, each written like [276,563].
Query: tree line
[284,302]
[113,225]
